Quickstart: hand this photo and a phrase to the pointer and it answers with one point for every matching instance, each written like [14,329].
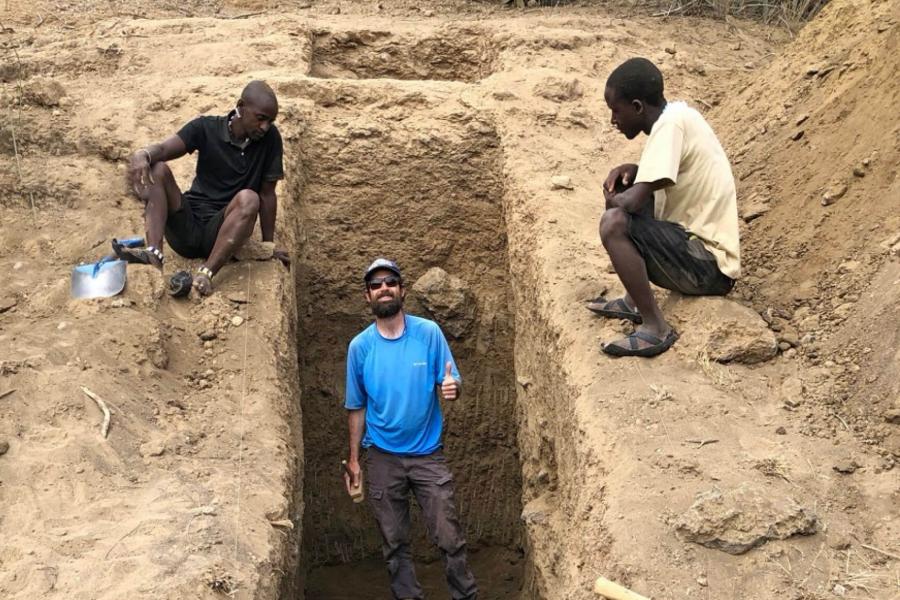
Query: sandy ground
[202,486]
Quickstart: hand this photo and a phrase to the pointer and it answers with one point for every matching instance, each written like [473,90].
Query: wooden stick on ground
[703,442]
[104,429]
[6,393]
[879,551]
[614,591]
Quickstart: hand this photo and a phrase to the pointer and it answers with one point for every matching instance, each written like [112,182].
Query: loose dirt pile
[470,144]
[818,148]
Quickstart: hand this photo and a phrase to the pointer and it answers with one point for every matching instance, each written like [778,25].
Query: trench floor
[498,571]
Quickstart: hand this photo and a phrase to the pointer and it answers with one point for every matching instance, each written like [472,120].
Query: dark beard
[383,310]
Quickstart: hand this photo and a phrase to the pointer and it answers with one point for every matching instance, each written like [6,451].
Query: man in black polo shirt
[239,165]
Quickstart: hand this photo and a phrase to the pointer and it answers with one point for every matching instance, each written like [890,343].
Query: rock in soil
[7,303]
[448,299]
[892,416]
[846,467]
[4,447]
[754,209]
[255,250]
[563,182]
[834,193]
[44,92]
[739,520]
[155,448]
[559,90]
[726,330]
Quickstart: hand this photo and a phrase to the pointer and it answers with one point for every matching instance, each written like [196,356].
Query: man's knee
[614,222]
[247,203]
[160,172]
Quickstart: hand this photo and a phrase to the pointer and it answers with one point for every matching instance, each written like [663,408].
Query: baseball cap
[382,263]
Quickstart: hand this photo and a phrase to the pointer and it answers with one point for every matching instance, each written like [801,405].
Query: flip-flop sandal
[203,281]
[615,309]
[141,256]
[658,346]
[180,284]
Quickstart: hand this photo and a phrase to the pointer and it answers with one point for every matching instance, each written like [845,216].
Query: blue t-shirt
[395,381]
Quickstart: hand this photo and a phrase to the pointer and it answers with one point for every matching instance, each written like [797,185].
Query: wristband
[149,156]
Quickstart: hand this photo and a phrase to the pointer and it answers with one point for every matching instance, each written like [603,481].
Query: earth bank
[436,138]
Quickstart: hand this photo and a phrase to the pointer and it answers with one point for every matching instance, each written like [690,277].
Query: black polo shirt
[225,166]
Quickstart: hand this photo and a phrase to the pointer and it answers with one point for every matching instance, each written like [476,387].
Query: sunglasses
[376,282]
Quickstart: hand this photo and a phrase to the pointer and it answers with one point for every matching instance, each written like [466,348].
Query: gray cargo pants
[390,478]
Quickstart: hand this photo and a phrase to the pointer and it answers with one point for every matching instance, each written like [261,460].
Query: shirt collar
[225,133]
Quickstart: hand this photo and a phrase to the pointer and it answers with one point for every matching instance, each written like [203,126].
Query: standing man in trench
[239,165]
[672,219]
[395,369]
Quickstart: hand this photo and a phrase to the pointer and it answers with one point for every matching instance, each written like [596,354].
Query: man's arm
[268,208]
[634,198]
[138,173]
[357,424]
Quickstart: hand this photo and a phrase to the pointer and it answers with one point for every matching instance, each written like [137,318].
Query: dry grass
[790,13]
[720,376]
[787,12]
[772,467]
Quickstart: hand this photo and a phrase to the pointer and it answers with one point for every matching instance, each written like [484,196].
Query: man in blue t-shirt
[394,368]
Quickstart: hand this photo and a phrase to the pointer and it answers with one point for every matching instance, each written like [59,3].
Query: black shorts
[191,236]
[677,260]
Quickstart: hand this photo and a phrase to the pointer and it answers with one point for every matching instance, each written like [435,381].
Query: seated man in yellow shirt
[672,219]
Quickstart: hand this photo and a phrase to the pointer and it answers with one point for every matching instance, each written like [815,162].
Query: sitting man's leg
[657,335]
[161,197]
[225,234]
[645,250]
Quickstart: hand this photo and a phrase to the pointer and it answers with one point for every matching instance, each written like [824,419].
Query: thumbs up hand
[449,387]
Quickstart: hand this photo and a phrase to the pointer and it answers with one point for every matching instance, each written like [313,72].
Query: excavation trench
[424,189]
[451,53]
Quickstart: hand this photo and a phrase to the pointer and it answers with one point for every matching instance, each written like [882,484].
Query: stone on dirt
[754,209]
[792,391]
[892,416]
[536,512]
[4,447]
[558,89]
[561,182]
[739,520]
[725,330]
[255,250]
[155,448]
[448,299]
[846,466]
[44,92]
[834,193]
[7,303]
[156,350]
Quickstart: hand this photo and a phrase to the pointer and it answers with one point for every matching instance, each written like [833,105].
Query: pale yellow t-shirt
[683,148]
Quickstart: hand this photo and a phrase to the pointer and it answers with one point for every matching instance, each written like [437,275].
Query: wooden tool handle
[614,591]
[356,493]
